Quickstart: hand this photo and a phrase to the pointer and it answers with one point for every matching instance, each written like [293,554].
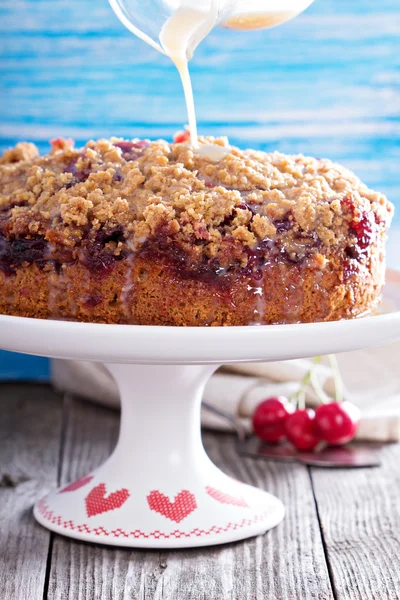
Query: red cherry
[300,429]
[61,143]
[269,419]
[337,422]
[182,136]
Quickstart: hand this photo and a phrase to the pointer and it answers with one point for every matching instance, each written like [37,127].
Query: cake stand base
[159,489]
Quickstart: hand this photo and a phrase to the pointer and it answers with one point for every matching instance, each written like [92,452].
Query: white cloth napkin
[371,379]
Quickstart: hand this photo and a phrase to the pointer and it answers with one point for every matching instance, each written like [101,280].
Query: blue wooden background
[327,83]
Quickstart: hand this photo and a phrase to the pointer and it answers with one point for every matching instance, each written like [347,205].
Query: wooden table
[340,538]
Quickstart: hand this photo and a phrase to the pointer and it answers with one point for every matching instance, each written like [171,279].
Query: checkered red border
[49,515]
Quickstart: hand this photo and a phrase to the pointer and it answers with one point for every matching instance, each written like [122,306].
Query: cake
[152,233]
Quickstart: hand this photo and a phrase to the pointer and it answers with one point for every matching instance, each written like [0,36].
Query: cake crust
[151,233]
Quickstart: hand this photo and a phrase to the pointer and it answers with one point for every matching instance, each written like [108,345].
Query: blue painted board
[25,368]
[327,84]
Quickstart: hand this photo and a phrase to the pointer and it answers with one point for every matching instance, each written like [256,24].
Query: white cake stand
[159,489]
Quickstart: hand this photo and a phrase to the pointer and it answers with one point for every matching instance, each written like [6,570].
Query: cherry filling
[96,257]
[15,252]
[228,220]
[132,150]
[97,253]
[79,175]
[258,258]
[91,300]
[365,230]
[283,225]
[174,257]
[213,270]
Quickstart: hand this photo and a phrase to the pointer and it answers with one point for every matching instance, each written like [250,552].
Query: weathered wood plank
[30,432]
[286,564]
[360,517]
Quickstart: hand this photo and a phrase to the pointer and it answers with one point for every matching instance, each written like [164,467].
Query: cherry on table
[337,422]
[300,429]
[269,419]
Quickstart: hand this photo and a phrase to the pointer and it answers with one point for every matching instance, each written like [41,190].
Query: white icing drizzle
[180,35]
[213,152]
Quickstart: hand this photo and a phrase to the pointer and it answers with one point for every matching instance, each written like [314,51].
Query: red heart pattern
[75,485]
[225,498]
[97,502]
[182,506]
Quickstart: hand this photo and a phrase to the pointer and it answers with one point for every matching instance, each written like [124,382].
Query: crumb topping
[144,189]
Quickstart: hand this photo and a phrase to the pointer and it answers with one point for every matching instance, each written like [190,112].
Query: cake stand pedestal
[159,489]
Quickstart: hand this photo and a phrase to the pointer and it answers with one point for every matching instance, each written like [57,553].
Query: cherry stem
[301,400]
[337,379]
[319,391]
[300,396]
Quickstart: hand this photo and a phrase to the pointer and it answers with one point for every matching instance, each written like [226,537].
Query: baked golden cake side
[151,233]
